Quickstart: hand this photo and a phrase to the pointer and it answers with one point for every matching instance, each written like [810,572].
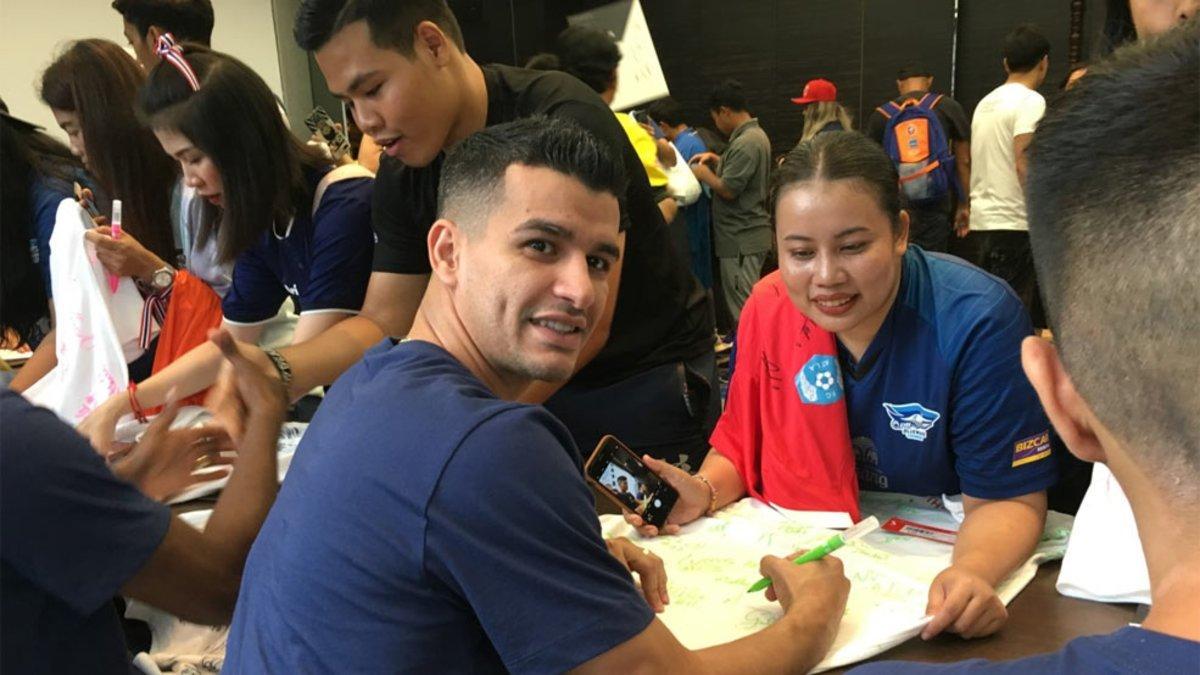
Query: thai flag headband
[170,52]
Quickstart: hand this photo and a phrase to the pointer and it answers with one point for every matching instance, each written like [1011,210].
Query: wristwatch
[162,278]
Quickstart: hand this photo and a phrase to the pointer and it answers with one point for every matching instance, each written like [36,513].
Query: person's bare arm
[195,575]
[1021,154]
[388,310]
[813,597]
[995,538]
[669,208]
[706,175]
[42,361]
[368,154]
[539,391]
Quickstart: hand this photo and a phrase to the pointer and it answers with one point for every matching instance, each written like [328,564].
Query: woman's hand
[694,499]
[124,257]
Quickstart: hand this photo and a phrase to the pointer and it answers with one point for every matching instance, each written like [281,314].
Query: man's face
[408,106]
[532,283]
[623,484]
[721,119]
[143,46]
[1153,17]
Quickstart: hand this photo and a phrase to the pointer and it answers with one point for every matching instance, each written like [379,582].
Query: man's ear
[152,35]
[445,241]
[1071,416]
[429,39]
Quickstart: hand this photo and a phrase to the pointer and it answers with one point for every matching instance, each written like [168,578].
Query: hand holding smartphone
[320,123]
[624,478]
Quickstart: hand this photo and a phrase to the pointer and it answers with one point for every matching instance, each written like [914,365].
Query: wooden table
[1039,621]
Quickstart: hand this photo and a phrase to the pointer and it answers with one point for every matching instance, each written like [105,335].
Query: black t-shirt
[661,314]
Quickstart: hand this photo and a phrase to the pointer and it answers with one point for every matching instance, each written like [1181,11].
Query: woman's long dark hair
[235,120]
[24,154]
[99,81]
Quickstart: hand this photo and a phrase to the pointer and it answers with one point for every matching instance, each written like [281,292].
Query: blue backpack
[916,143]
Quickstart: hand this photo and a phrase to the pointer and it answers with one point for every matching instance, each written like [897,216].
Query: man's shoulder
[520,92]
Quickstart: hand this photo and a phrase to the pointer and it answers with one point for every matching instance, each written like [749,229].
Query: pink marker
[114,280]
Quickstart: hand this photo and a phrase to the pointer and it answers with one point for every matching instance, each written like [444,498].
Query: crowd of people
[513,271]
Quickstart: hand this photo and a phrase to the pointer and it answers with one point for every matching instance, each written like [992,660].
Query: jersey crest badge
[912,420]
[819,382]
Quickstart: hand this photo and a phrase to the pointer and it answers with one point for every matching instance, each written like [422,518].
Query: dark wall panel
[896,33]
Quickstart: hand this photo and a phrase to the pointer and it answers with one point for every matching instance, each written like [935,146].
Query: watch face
[163,278]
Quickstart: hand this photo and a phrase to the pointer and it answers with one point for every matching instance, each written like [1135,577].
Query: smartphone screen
[625,479]
[320,123]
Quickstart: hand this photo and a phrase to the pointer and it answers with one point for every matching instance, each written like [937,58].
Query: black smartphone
[625,479]
[320,123]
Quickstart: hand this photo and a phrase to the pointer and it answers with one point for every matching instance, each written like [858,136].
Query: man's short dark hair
[392,22]
[1114,219]
[1024,48]
[472,178]
[729,94]
[668,111]
[913,69]
[187,20]
[589,54]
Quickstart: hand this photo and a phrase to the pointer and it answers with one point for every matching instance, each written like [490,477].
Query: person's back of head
[392,23]
[589,54]
[914,76]
[98,81]
[729,94]
[22,292]
[821,114]
[187,20]
[231,111]
[667,111]
[1114,219]
[1025,48]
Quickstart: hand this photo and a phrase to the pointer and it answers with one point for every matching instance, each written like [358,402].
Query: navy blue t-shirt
[322,262]
[939,404]
[1128,651]
[45,194]
[427,526]
[71,535]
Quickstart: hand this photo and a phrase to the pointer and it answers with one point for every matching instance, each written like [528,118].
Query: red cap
[817,91]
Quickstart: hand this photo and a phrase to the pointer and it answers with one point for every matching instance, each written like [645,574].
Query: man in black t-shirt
[647,373]
[930,226]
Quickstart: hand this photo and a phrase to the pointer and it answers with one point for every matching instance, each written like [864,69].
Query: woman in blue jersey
[290,223]
[928,349]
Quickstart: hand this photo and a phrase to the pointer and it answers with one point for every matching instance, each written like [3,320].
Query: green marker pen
[832,544]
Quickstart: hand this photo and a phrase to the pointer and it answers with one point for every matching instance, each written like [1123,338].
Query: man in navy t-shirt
[1126,389]
[428,523]
[73,535]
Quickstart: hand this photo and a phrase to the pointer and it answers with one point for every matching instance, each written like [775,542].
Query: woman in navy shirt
[291,224]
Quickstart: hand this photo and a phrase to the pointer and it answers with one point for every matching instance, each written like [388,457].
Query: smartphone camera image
[627,481]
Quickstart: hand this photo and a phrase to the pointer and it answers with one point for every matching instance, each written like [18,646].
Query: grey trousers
[738,276]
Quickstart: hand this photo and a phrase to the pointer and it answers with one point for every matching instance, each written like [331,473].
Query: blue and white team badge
[913,420]
[820,381]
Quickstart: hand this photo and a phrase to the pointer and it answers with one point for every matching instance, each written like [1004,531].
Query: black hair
[235,120]
[590,54]
[98,80]
[667,110]
[913,69]
[1118,27]
[1114,220]
[187,20]
[24,155]
[392,23]
[1024,48]
[543,61]
[729,94]
[841,155]
[473,173]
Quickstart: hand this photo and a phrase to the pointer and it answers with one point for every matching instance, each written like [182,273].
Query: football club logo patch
[1031,449]
[820,381]
[912,420]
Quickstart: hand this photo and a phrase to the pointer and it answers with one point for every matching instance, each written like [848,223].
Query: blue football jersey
[939,404]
